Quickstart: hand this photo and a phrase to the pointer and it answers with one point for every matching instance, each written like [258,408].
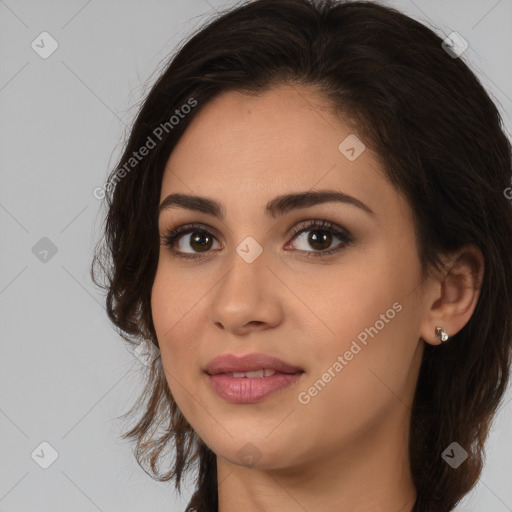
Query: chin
[246,451]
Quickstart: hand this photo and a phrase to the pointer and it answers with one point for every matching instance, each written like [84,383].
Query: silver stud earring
[441,334]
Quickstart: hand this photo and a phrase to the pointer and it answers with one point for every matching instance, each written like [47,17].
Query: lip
[228,363]
[244,390]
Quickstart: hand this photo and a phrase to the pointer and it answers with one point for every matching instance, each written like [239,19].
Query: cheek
[344,300]
[353,385]
[370,319]
[174,298]
[176,318]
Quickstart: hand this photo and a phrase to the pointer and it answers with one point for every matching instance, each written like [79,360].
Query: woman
[309,222]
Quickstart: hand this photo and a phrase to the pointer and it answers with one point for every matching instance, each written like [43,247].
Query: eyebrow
[277,207]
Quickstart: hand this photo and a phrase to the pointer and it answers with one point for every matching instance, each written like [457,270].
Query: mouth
[251,365]
[256,374]
[250,378]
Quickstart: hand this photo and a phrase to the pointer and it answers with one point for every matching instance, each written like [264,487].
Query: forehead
[285,138]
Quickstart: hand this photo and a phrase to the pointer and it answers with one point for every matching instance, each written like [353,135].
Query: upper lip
[229,363]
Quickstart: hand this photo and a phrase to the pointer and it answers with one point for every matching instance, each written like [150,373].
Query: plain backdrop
[65,375]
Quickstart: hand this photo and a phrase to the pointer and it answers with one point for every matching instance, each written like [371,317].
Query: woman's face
[350,321]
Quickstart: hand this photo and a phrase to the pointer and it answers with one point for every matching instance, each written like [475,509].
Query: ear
[453,293]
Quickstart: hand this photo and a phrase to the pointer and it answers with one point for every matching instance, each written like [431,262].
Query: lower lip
[245,390]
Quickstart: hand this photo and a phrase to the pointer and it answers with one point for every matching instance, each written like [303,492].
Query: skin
[347,448]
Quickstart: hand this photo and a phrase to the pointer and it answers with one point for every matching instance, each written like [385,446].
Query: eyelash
[171,235]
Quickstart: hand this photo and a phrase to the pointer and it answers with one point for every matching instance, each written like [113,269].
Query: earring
[441,334]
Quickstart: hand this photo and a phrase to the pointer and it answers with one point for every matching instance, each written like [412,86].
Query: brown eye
[320,241]
[190,241]
[321,236]
[200,241]
[181,239]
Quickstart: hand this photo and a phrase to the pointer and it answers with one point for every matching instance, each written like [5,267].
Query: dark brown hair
[441,140]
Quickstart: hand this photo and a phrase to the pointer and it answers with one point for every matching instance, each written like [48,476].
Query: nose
[247,297]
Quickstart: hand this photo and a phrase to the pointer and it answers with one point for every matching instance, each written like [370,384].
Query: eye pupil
[315,239]
[199,237]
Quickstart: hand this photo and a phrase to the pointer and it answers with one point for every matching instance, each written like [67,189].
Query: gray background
[65,375]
